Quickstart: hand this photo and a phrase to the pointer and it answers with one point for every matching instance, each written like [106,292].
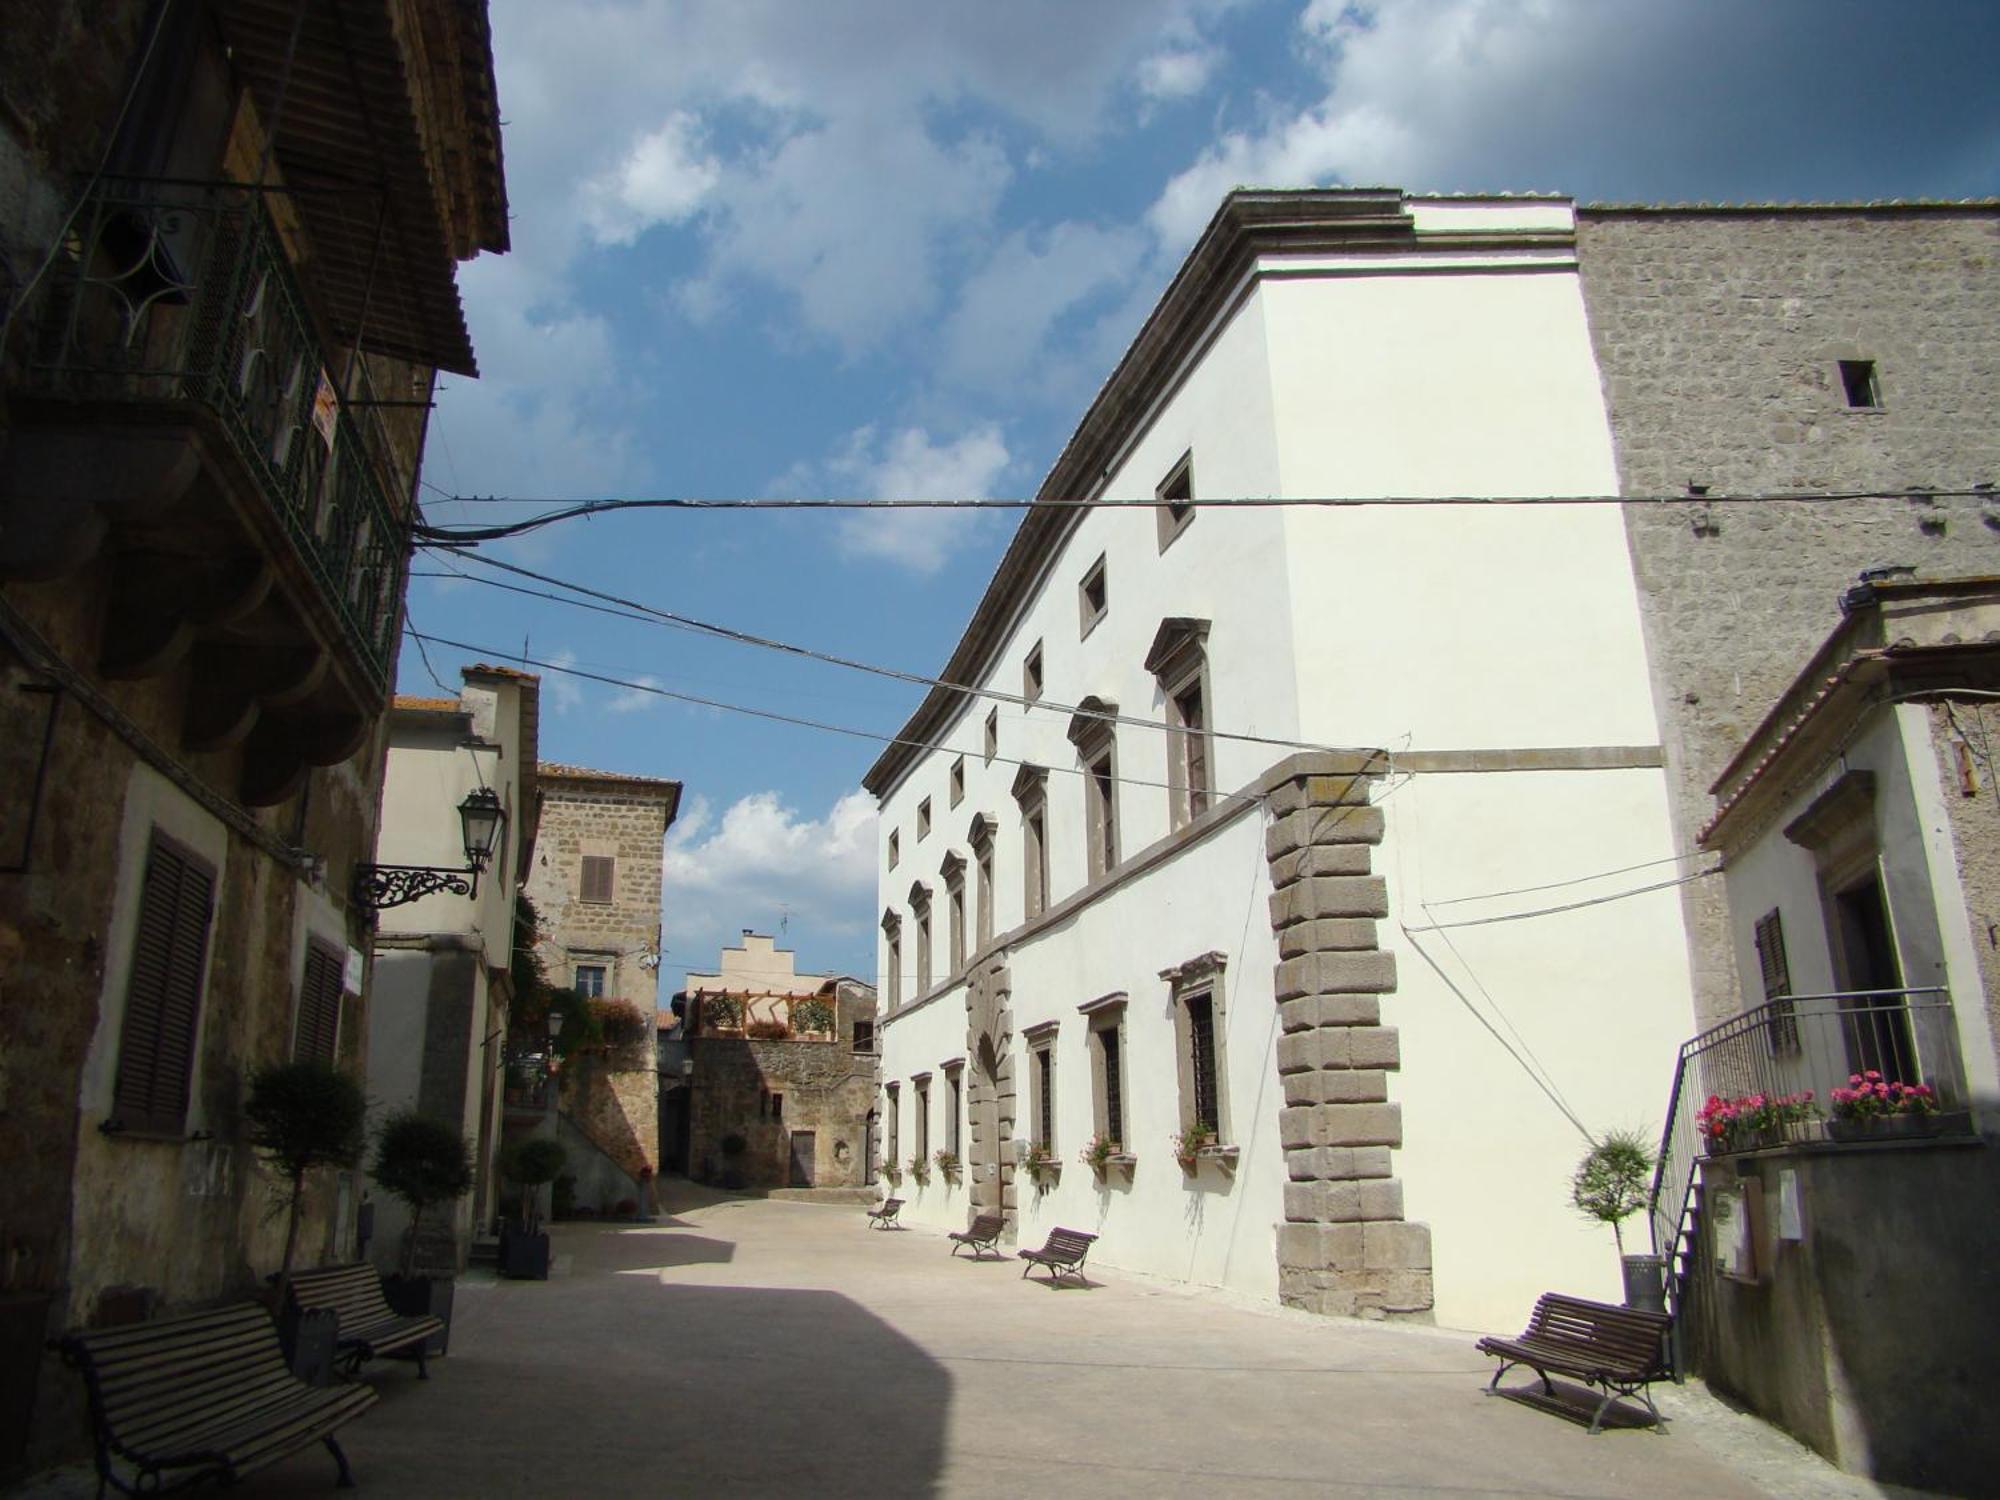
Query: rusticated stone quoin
[1345,1248]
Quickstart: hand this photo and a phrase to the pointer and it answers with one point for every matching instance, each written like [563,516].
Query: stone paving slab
[767,1347]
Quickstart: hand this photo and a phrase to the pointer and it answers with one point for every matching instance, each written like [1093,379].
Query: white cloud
[633,699]
[1178,73]
[560,691]
[662,180]
[908,465]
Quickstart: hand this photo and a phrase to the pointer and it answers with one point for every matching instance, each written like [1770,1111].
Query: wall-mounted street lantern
[382,886]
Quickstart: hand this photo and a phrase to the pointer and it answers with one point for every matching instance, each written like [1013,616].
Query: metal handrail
[170,292]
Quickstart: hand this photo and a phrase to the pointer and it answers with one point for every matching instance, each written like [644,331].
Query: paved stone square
[769,1347]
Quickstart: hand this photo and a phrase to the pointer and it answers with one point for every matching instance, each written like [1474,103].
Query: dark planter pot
[1884,1128]
[308,1339]
[418,1296]
[1646,1283]
[24,1318]
[525,1257]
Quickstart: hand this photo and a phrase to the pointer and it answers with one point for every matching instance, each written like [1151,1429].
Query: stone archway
[990,1102]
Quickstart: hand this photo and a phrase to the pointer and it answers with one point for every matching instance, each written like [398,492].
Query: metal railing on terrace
[1790,1047]
[175,292]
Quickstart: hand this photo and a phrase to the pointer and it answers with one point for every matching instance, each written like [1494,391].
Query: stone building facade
[596,889]
[201,583]
[1504,716]
[786,1063]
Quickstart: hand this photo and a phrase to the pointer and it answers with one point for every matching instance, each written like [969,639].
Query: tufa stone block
[1396,1247]
[1323,825]
[1351,1086]
[1330,896]
[1358,1125]
[1371,971]
[1321,859]
[1375,1047]
[1329,934]
[1308,1088]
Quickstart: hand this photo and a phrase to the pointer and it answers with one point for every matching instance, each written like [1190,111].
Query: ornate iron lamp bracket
[383,886]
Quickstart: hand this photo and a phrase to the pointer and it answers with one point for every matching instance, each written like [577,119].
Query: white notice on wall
[350,978]
[1791,1217]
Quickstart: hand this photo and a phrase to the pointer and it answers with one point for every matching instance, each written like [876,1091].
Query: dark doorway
[1877,1028]
[868,1150]
[802,1158]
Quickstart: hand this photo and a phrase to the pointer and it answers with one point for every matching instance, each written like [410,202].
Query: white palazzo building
[1291,828]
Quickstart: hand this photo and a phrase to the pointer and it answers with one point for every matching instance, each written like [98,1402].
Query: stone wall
[1344,1247]
[614,1099]
[1717,336]
[1963,737]
[626,819]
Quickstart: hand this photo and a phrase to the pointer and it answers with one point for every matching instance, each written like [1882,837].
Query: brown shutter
[163,997]
[1771,957]
[597,877]
[318,1033]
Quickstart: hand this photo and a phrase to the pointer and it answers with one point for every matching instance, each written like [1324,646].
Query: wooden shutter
[319,1005]
[597,877]
[1777,976]
[163,996]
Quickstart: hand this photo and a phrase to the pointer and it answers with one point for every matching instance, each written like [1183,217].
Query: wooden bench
[369,1327]
[1621,1350]
[1061,1256]
[982,1234]
[209,1396]
[884,1215]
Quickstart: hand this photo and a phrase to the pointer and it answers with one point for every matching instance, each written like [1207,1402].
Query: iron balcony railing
[183,292]
[1787,1048]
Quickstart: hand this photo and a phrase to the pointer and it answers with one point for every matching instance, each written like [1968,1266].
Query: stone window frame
[604,964]
[923,819]
[1201,977]
[892,960]
[1178,660]
[920,1116]
[952,871]
[990,745]
[1031,792]
[1033,674]
[954,1104]
[861,1036]
[1043,1087]
[980,837]
[920,913]
[892,1119]
[895,847]
[1093,598]
[1093,731]
[1105,1016]
[1173,515]
[955,782]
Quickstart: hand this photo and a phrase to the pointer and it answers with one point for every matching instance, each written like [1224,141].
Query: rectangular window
[992,746]
[923,820]
[864,1036]
[589,981]
[958,781]
[983,859]
[954,1098]
[922,913]
[1176,496]
[955,900]
[892,962]
[920,1119]
[1045,1097]
[1858,384]
[599,876]
[1777,976]
[895,1114]
[895,848]
[163,996]
[777,1106]
[1035,858]
[1201,1058]
[1100,788]
[317,1036]
[1192,742]
[1092,598]
[1112,1083]
[1031,674]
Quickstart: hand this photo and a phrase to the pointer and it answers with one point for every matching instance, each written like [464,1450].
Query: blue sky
[891,248]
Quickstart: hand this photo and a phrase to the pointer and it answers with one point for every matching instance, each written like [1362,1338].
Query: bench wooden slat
[368,1326]
[1063,1255]
[982,1234]
[1620,1350]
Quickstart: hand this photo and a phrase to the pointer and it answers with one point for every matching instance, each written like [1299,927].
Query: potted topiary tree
[302,1116]
[524,1250]
[1613,1182]
[425,1162]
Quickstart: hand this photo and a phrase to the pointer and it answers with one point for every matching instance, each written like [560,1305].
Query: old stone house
[443,981]
[230,234]
[595,885]
[1334,867]
[784,1064]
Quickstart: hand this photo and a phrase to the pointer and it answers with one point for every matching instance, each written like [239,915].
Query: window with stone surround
[1041,1042]
[1176,496]
[991,746]
[588,980]
[954,1107]
[317,1034]
[981,839]
[1859,385]
[957,781]
[895,848]
[1031,792]
[1031,673]
[1200,1043]
[923,820]
[892,958]
[156,1040]
[1179,661]
[953,871]
[1091,731]
[920,913]
[893,1118]
[599,879]
[864,1036]
[1093,598]
[920,1115]
[1105,1041]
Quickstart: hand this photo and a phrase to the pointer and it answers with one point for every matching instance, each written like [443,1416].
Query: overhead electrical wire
[570,510]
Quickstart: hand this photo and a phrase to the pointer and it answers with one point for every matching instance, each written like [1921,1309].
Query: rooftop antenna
[784,920]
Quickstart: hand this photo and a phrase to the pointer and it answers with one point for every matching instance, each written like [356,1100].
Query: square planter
[309,1340]
[418,1296]
[523,1256]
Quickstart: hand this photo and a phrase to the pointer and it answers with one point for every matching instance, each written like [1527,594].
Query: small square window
[895,848]
[1857,380]
[864,1036]
[924,818]
[1176,496]
[599,879]
[589,981]
[992,747]
[1092,597]
[1031,675]
[958,781]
